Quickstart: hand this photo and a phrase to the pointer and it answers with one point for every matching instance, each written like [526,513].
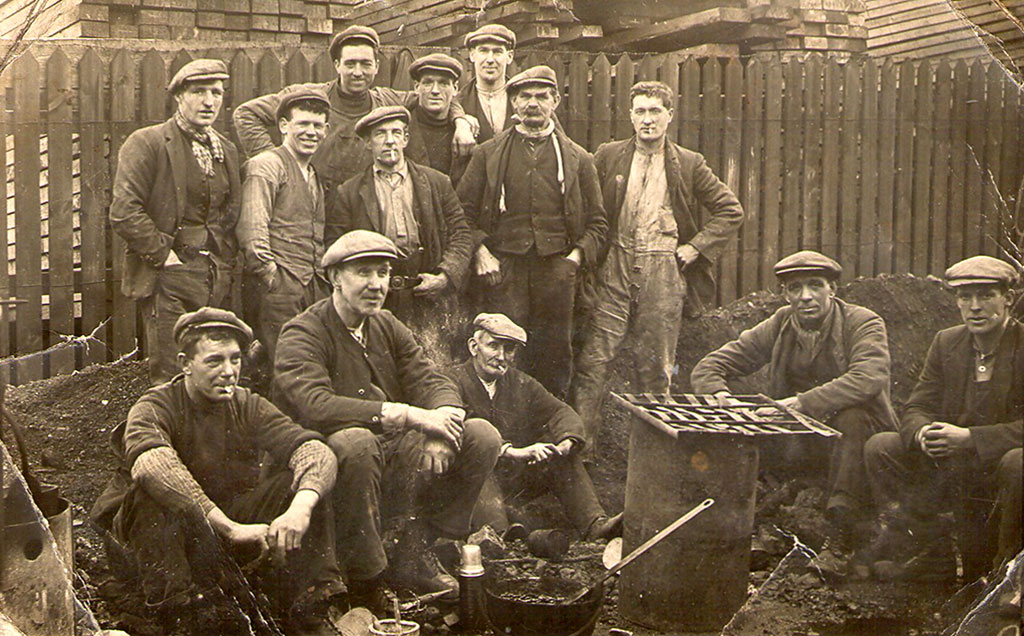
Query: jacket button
[361,391]
[375,419]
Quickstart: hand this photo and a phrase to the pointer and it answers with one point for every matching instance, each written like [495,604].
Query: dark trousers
[369,465]
[565,477]
[848,484]
[175,553]
[285,298]
[437,322]
[922,488]
[538,293]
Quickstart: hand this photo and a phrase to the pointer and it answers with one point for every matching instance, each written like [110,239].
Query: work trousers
[539,293]
[848,484]
[285,298]
[196,283]
[565,477]
[639,295]
[369,465]
[175,553]
[985,499]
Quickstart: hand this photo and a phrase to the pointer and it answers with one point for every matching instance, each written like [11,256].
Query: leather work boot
[604,528]
[415,567]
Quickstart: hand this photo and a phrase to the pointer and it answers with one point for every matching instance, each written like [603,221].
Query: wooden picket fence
[890,167]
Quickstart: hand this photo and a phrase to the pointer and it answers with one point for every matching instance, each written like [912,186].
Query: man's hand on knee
[940,439]
[286,531]
[436,456]
[444,423]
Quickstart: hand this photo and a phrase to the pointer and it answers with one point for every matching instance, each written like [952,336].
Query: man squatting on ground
[417,209]
[349,369]
[827,358]
[281,227]
[542,436]
[192,447]
[959,441]
[175,202]
[656,254]
[533,199]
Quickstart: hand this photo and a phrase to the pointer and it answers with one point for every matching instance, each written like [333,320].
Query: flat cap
[542,75]
[981,270]
[491,33]
[211,318]
[200,70]
[438,63]
[359,244]
[357,34]
[500,326]
[380,115]
[808,262]
[300,93]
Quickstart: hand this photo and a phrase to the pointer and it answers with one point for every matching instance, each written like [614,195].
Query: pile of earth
[67,422]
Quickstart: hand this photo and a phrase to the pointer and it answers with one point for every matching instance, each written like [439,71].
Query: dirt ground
[67,421]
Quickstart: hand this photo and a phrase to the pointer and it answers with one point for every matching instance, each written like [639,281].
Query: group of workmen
[391,233]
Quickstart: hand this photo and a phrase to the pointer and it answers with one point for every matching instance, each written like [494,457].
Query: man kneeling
[192,446]
[544,435]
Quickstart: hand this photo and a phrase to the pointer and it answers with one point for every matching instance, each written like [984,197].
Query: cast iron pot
[520,618]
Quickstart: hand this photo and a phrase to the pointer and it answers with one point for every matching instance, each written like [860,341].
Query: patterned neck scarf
[206,145]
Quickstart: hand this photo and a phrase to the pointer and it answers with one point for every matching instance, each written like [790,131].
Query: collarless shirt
[394,196]
[494,105]
[647,223]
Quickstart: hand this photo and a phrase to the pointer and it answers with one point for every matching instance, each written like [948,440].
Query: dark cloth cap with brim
[359,244]
[380,115]
[211,318]
[300,93]
[438,63]
[201,70]
[500,326]
[491,33]
[535,75]
[809,263]
[356,34]
[981,270]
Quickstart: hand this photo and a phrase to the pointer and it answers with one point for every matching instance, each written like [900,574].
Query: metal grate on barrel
[754,414]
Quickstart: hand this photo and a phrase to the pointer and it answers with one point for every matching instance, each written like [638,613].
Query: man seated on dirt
[197,505]
[543,435]
[959,440]
[354,372]
[828,359]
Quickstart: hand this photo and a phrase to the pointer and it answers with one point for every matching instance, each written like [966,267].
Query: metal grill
[744,414]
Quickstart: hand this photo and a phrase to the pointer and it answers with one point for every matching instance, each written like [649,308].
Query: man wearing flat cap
[542,436]
[281,228]
[491,49]
[657,255]
[533,200]
[175,203]
[196,493]
[827,358]
[959,440]
[350,370]
[435,81]
[352,95]
[416,207]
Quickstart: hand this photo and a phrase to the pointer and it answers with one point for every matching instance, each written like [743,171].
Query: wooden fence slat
[975,153]
[711,114]
[648,69]
[832,118]
[1012,176]
[269,78]
[400,78]
[991,210]
[5,280]
[92,215]
[811,210]
[60,221]
[732,155]
[621,125]
[849,168]
[793,106]
[924,134]
[957,222]
[940,169]
[28,232]
[904,168]
[296,69]
[772,168]
[670,75]
[868,234]
[887,93]
[750,196]
[601,109]
[578,99]
[123,121]
[323,68]
[153,100]
[243,88]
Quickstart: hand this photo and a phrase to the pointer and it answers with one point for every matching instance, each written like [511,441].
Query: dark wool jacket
[944,384]
[327,381]
[859,347]
[523,411]
[691,185]
[480,192]
[444,234]
[149,199]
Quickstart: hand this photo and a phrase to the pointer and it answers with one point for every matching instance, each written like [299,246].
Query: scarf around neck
[206,146]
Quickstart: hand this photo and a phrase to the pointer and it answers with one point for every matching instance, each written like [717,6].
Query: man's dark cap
[380,115]
[500,326]
[438,63]
[200,70]
[981,270]
[535,75]
[808,262]
[359,244]
[300,93]
[211,318]
[491,33]
[357,34]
